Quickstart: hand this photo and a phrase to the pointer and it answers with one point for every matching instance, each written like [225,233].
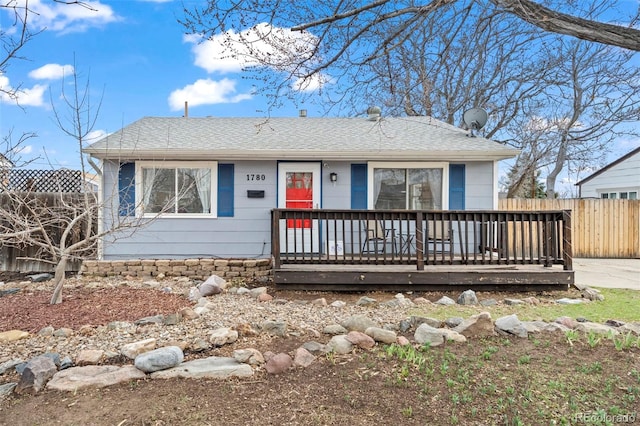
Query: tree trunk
[58,280]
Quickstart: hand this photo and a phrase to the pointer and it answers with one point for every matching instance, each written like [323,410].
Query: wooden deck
[400,278]
[351,250]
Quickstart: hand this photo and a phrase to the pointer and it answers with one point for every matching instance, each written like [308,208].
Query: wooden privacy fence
[600,228]
[56,210]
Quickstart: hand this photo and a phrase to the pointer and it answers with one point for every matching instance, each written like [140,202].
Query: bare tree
[64,228]
[554,97]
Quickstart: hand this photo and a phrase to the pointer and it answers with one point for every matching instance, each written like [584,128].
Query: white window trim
[412,165]
[212,165]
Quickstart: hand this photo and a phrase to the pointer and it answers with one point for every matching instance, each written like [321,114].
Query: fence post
[275,237]
[567,246]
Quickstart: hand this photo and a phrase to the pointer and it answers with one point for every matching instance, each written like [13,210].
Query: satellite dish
[475,119]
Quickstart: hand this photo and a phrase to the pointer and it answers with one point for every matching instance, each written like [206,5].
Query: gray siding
[248,233]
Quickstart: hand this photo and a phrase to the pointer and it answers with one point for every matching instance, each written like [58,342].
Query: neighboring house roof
[406,139]
[608,166]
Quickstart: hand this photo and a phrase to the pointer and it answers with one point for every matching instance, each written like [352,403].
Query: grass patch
[619,304]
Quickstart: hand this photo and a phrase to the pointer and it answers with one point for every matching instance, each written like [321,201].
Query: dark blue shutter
[225,190]
[127,189]
[456,186]
[359,186]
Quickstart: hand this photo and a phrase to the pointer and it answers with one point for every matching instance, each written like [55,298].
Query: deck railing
[412,237]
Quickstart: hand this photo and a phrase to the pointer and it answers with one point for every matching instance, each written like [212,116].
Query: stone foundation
[197,269]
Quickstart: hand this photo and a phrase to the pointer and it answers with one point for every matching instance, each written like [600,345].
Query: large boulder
[479,325]
[159,359]
[213,368]
[93,376]
[36,374]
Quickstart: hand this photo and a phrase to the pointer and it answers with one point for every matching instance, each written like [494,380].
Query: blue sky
[138,57]
[136,54]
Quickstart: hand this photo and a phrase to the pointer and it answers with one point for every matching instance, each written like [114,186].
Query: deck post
[275,237]
[419,242]
[567,246]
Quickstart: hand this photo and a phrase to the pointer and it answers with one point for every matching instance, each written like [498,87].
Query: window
[179,189]
[613,195]
[604,196]
[633,195]
[414,186]
[624,195]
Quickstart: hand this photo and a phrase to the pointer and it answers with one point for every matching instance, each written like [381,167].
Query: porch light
[333,177]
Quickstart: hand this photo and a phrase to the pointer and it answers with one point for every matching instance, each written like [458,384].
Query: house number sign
[251,177]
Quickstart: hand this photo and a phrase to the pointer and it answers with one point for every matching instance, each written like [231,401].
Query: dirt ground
[492,381]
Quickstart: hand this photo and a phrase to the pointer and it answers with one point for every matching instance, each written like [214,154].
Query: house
[619,179]
[229,173]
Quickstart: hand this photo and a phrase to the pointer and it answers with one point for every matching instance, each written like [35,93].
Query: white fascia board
[306,155]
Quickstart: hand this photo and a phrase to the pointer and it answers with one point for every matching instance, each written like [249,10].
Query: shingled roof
[401,139]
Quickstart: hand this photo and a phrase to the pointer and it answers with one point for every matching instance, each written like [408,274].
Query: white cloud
[23,96]
[51,72]
[206,92]
[94,136]
[66,18]
[23,150]
[274,47]
[309,84]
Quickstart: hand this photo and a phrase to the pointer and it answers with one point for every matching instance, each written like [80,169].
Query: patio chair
[377,238]
[439,235]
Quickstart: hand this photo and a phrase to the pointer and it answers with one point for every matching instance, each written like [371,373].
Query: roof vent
[374,113]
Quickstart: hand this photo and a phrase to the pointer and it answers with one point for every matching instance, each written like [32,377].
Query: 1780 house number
[256,177]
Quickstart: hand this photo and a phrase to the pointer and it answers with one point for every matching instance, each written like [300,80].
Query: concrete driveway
[608,273]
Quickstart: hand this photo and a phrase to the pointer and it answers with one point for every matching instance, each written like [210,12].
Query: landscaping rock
[436,336]
[567,322]
[446,301]
[479,325]
[399,301]
[335,329]
[223,336]
[255,292]
[358,323]
[278,364]
[488,302]
[303,357]
[592,327]
[89,357]
[512,325]
[248,356]
[468,297]
[7,389]
[433,322]
[366,301]
[592,294]
[212,367]
[35,375]
[94,376]
[512,302]
[382,335]
[12,336]
[46,331]
[361,339]
[275,328]
[155,319]
[340,344]
[213,285]
[8,365]
[568,301]
[338,304]
[264,297]
[453,322]
[159,359]
[316,348]
[132,350]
